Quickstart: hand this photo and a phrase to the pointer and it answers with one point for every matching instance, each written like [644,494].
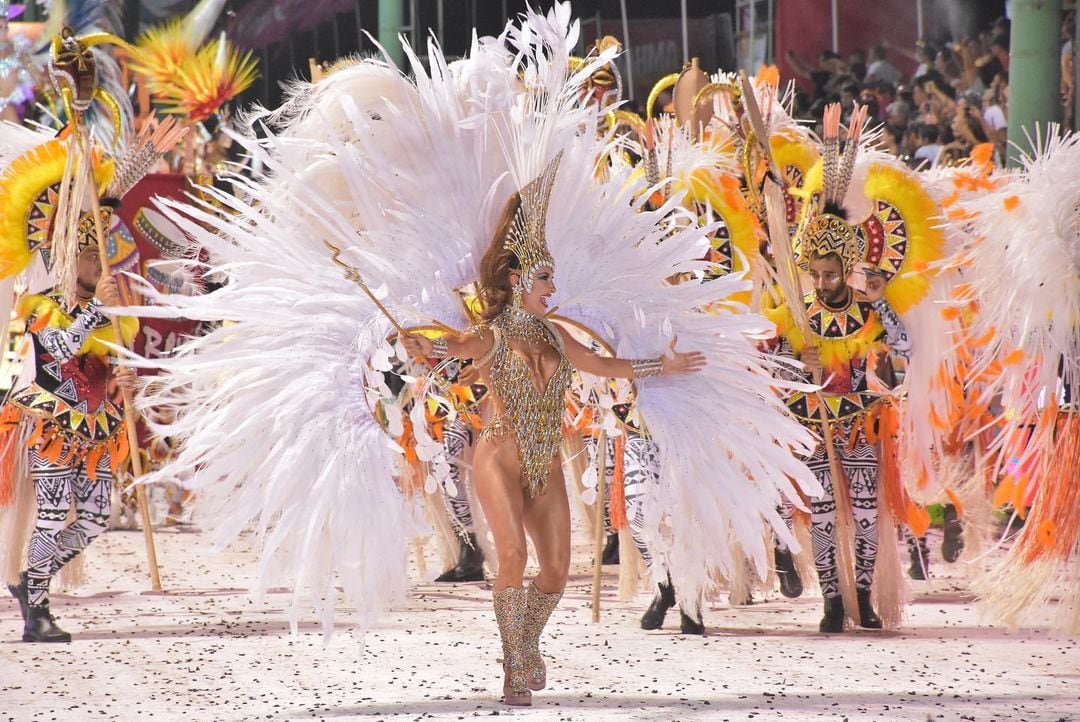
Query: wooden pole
[131,414]
[598,528]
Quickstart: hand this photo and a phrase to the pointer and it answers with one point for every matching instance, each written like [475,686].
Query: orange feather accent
[618,485]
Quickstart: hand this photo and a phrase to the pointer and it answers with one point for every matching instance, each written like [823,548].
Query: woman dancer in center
[526,362]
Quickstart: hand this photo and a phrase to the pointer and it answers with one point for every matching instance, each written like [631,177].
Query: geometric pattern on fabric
[886,239]
[641,468]
[840,407]
[860,467]
[457,436]
[54,542]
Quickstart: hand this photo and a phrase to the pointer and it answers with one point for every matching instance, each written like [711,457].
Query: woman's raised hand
[681,362]
[417,345]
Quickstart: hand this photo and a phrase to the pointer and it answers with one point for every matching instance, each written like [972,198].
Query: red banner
[141,238]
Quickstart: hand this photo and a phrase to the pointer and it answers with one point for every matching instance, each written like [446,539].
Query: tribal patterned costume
[896,239]
[59,427]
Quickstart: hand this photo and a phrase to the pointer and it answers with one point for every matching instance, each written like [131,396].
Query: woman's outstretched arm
[471,344]
[584,359]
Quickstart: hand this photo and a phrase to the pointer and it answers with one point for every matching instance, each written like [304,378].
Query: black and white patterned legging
[860,465]
[54,542]
[457,436]
[640,468]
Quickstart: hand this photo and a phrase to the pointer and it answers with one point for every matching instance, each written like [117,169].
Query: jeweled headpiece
[527,238]
[828,233]
[824,230]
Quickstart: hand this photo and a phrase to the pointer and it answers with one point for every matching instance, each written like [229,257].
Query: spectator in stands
[999,46]
[898,115]
[857,64]
[995,113]
[968,131]
[880,68]
[928,149]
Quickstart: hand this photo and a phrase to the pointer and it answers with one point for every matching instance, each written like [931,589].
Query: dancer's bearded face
[88,270]
[827,273]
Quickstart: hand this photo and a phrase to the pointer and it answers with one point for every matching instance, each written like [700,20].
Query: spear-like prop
[148,148]
[787,270]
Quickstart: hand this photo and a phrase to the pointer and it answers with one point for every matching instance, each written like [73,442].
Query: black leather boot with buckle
[20,592]
[868,618]
[470,566]
[790,583]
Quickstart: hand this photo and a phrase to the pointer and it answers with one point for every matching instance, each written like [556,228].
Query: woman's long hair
[497,263]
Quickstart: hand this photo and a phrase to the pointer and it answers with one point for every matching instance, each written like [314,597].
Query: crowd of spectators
[956,97]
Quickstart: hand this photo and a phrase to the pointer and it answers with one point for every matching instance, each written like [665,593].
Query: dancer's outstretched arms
[674,362]
[471,344]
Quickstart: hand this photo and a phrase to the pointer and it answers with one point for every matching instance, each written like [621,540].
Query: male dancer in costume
[848,328]
[78,441]
[65,419]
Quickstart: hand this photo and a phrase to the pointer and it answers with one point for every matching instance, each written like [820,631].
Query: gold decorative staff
[352,273]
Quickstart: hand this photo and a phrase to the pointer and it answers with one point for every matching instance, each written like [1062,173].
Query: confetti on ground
[206,650]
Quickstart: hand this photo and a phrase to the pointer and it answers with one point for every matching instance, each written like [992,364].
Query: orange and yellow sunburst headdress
[206,80]
[29,195]
[900,238]
[826,230]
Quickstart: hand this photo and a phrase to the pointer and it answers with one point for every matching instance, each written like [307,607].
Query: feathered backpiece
[1022,265]
[406,174]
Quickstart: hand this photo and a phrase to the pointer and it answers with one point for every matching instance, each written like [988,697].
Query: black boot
[920,562]
[663,601]
[790,583]
[41,627]
[470,566]
[953,543]
[833,621]
[20,592]
[611,550]
[868,618]
[689,624]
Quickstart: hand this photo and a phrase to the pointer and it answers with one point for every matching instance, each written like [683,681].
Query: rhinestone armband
[439,348]
[646,367]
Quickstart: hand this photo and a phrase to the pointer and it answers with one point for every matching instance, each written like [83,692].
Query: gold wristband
[643,368]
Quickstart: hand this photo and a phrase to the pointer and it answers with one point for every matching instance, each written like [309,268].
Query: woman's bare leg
[497,478]
[547,519]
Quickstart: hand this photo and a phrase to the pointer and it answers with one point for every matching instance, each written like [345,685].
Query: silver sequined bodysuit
[533,416]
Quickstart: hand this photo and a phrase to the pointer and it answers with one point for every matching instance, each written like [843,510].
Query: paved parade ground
[206,650]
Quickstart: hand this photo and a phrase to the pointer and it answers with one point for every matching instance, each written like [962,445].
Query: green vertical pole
[1076,70]
[1034,71]
[391,17]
